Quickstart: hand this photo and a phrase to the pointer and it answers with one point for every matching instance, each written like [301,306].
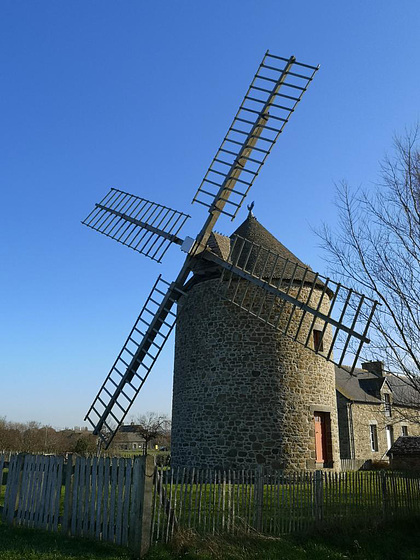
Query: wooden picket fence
[101,498]
[131,502]
[354,464]
[277,503]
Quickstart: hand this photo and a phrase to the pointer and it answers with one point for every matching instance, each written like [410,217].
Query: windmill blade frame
[245,136]
[141,350]
[145,226]
[150,228]
[255,277]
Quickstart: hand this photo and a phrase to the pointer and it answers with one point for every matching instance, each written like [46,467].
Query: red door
[319,438]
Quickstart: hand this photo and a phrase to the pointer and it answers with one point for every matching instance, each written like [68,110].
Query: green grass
[31,544]
[397,541]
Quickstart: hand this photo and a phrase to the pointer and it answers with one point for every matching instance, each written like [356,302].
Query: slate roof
[361,386]
[405,445]
[127,428]
[403,392]
[365,386]
[253,231]
[128,434]
[256,261]
[219,245]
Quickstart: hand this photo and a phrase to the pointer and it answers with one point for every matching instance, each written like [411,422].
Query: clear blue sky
[138,95]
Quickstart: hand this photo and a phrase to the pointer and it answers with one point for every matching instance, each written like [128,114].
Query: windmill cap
[251,230]
[260,263]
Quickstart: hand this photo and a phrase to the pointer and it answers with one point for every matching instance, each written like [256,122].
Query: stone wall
[362,415]
[345,431]
[244,395]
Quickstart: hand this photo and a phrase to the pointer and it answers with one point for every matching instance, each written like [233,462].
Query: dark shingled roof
[361,386]
[365,386]
[128,428]
[219,245]
[253,231]
[403,391]
[405,445]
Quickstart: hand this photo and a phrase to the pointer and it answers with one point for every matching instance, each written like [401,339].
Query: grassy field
[399,541]
[30,544]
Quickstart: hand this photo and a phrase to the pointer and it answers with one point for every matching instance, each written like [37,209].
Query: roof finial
[250,207]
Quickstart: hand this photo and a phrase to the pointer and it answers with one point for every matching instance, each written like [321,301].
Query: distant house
[127,438]
[374,409]
[404,454]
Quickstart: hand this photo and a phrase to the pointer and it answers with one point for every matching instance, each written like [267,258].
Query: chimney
[374,367]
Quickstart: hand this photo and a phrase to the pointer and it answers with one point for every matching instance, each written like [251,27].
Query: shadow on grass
[398,540]
[33,544]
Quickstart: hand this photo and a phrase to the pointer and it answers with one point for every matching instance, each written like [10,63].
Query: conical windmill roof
[253,231]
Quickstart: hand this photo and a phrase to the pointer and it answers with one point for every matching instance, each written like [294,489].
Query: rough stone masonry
[244,394]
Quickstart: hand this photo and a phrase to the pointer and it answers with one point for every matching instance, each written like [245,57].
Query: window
[387,404]
[389,435]
[318,343]
[404,430]
[373,437]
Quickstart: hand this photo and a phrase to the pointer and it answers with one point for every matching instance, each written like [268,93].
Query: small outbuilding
[404,454]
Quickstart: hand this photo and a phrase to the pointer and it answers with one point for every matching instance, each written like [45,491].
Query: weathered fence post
[146,517]
[258,498]
[384,494]
[141,509]
[2,461]
[319,496]
[68,470]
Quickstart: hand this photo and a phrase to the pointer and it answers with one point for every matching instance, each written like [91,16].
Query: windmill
[273,288]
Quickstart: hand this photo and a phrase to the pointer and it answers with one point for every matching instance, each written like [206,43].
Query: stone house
[405,453]
[127,438]
[374,409]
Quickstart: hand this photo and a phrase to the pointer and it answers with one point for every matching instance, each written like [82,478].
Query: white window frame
[373,432]
[389,435]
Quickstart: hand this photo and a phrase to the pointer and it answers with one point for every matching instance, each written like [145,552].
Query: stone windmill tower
[255,325]
[244,393]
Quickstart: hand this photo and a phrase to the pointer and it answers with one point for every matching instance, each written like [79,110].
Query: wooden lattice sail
[253,277]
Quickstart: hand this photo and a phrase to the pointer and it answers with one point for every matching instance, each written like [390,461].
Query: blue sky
[138,95]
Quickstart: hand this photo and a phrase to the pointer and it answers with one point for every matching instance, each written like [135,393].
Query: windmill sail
[142,225]
[267,106]
[133,365]
[297,301]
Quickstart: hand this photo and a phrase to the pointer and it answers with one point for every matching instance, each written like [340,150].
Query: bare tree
[152,426]
[376,250]
[32,437]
